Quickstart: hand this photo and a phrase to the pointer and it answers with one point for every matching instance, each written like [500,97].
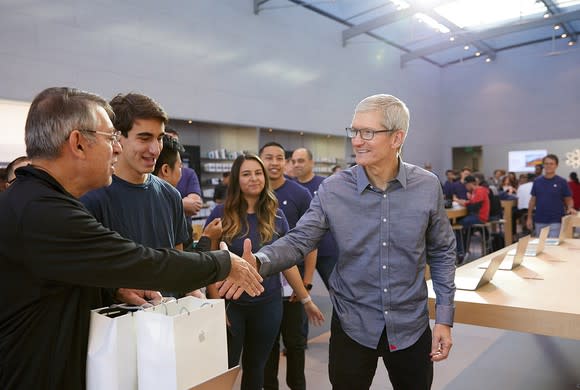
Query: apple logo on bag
[201,336]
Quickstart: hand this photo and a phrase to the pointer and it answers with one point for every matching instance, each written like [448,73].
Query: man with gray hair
[55,257]
[389,221]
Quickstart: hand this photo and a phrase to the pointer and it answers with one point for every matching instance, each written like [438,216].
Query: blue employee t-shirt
[150,214]
[294,200]
[272,286]
[327,246]
[550,194]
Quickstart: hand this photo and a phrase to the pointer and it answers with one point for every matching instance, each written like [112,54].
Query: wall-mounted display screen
[525,160]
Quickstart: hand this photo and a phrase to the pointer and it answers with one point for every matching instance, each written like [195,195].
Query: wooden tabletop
[541,296]
[456,212]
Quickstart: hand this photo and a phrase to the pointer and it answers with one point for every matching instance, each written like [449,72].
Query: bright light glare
[400,4]
[469,13]
[566,3]
[431,23]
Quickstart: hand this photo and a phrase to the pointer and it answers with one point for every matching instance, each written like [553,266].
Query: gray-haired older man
[389,221]
[55,256]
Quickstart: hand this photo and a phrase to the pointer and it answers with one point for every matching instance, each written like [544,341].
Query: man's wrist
[308,286]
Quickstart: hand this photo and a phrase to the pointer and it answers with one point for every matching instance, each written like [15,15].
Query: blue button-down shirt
[384,239]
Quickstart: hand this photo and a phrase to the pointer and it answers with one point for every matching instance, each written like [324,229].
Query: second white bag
[181,344]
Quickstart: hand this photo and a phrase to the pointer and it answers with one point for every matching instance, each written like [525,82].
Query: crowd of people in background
[536,205]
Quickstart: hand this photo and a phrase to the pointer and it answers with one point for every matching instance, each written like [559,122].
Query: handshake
[243,274]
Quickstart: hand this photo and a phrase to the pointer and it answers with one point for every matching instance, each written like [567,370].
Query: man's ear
[77,144]
[164,170]
[398,139]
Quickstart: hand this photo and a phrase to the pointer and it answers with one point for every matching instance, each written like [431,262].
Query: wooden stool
[483,229]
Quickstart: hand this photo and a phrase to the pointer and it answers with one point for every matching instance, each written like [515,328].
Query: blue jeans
[466,222]
[253,329]
[554,229]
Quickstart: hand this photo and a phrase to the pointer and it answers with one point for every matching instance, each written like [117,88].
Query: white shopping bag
[111,355]
[181,344]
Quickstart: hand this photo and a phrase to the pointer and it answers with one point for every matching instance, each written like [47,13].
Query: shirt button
[386,312]
[384,244]
[385,290]
[384,195]
[384,220]
[384,267]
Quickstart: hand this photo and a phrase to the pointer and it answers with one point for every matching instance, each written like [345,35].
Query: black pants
[295,343]
[352,366]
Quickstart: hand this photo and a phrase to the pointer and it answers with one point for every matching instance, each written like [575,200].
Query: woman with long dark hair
[251,212]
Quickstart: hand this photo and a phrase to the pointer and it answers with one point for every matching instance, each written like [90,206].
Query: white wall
[215,61]
[12,120]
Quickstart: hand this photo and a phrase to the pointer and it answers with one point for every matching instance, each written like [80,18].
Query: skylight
[566,3]
[471,14]
[400,4]
[431,22]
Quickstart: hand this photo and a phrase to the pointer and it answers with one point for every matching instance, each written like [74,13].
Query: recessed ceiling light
[571,43]
[546,15]
[190,122]
[564,35]
[451,39]
[488,59]
[466,47]
[477,54]
[557,27]
[269,130]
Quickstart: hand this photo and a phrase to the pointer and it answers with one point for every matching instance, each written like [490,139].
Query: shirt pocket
[408,229]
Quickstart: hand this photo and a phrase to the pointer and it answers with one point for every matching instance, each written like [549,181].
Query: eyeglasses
[113,137]
[366,134]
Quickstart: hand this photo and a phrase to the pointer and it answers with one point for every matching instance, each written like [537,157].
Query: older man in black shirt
[55,256]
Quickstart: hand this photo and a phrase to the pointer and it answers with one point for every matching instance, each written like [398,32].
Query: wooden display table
[540,296]
[456,212]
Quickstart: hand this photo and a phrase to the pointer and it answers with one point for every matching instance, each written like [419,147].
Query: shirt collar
[362,180]
[40,174]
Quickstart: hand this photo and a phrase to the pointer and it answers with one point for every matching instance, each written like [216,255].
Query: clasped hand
[243,275]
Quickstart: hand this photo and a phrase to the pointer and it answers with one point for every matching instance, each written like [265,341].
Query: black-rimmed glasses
[366,134]
[113,137]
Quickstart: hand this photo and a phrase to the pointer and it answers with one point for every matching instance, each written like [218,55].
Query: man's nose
[155,147]
[357,140]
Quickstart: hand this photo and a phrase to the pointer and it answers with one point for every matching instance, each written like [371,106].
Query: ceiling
[447,32]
